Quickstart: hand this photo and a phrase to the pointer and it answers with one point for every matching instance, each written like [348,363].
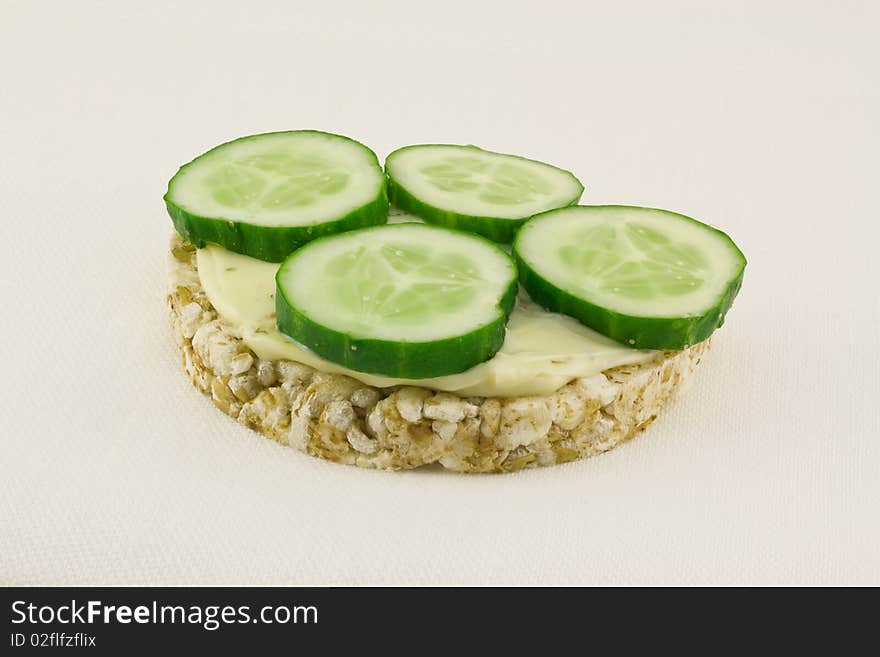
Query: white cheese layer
[542,351]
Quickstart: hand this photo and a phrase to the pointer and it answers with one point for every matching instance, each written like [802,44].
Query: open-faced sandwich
[482,321]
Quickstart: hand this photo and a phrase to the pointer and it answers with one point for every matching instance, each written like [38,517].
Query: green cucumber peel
[265,195]
[643,298]
[406,300]
[475,190]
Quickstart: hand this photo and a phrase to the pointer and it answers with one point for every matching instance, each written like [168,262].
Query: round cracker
[341,419]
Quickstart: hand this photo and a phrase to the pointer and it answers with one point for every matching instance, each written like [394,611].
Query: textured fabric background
[758,117]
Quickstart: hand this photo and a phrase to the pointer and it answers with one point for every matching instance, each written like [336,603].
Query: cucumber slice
[267,194]
[651,279]
[404,300]
[479,191]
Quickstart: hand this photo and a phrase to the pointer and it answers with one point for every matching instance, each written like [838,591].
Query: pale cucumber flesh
[648,278]
[472,189]
[266,194]
[408,300]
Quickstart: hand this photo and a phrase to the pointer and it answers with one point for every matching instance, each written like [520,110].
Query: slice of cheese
[542,351]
